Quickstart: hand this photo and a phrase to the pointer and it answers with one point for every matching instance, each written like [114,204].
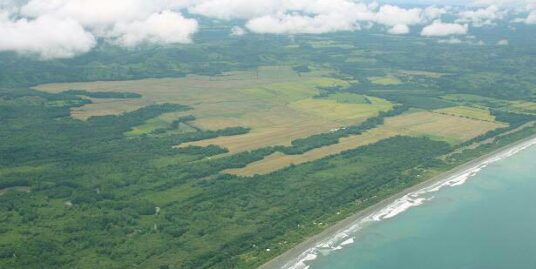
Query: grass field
[162,121]
[349,98]
[275,102]
[385,80]
[450,128]
[225,89]
[468,112]
[279,160]
[330,44]
[279,106]
[281,125]
[520,106]
[471,98]
[421,73]
[523,106]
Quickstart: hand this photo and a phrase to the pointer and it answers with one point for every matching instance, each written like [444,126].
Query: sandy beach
[337,235]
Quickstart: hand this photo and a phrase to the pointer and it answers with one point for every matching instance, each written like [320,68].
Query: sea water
[483,217]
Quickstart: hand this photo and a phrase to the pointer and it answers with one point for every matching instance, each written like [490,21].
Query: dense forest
[82,194]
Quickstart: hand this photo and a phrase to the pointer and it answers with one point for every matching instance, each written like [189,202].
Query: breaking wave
[345,236]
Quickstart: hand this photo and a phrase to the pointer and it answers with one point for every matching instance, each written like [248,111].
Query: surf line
[413,197]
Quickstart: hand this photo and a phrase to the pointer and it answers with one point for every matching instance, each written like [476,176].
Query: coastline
[339,233]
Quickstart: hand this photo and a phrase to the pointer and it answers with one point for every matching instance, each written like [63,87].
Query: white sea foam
[412,199]
[347,242]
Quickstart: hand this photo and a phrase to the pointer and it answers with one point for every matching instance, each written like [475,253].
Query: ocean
[480,218]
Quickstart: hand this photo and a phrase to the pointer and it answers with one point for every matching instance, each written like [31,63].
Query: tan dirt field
[275,102]
[449,128]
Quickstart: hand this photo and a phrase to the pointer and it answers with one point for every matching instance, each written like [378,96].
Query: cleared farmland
[449,128]
[385,80]
[279,160]
[276,103]
[468,112]
[421,73]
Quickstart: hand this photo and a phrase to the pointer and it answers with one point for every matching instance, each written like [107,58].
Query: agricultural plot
[523,106]
[279,160]
[468,112]
[276,103]
[428,74]
[330,44]
[385,80]
[452,128]
[474,99]
[519,106]
[162,121]
[349,98]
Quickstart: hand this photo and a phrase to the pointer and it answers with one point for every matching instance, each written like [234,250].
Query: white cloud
[321,16]
[237,31]
[399,29]
[133,22]
[65,28]
[505,3]
[438,28]
[516,7]
[451,40]
[237,9]
[482,16]
[94,13]
[531,18]
[431,13]
[46,37]
[164,28]
[393,15]
[503,42]
[312,17]
[7,7]
[294,23]
[530,14]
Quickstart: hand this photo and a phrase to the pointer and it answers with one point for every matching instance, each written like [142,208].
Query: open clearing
[275,102]
[519,106]
[385,80]
[330,44]
[349,98]
[450,128]
[279,160]
[428,74]
[523,106]
[299,119]
[468,112]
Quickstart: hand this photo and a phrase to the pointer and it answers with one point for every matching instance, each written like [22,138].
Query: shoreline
[304,251]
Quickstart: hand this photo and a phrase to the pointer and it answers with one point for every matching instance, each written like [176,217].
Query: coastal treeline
[78,187]
[90,189]
[84,194]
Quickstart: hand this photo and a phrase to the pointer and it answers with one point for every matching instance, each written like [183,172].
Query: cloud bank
[66,28]
[482,16]
[45,36]
[531,18]
[439,28]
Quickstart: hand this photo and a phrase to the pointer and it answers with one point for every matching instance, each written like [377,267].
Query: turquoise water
[487,223]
